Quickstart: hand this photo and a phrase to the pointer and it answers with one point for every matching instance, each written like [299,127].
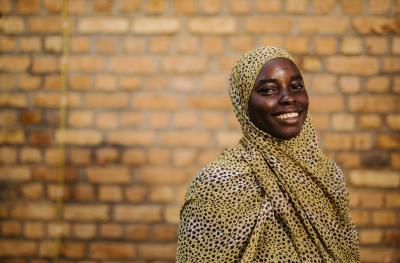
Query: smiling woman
[274,197]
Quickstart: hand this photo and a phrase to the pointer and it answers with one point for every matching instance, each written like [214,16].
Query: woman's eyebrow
[297,77]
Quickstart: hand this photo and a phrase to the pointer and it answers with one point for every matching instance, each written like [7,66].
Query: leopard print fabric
[266,200]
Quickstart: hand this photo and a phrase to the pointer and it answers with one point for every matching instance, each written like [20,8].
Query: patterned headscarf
[267,199]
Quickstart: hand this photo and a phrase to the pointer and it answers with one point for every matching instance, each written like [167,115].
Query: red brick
[157,251]
[29,82]
[391,65]
[212,25]
[12,25]
[185,138]
[52,100]
[15,174]
[137,232]
[45,65]
[78,156]
[107,155]
[58,229]
[375,178]
[379,25]
[110,194]
[17,248]
[34,230]
[10,228]
[275,25]
[58,192]
[387,141]
[53,174]
[12,136]
[131,137]
[138,65]
[108,175]
[73,250]
[137,213]
[86,212]
[323,25]
[161,175]
[135,194]
[30,44]
[155,25]
[30,155]
[109,25]
[112,251]
[393,121]
[360,218]
[370,121]
[373,103]
[392,200]
[79,137]
[8,155]
[33,191]
[14,63]
[48,24]
[111,231]
[384,218]
[102,6]
[7,44]
[40,211]
[5,6]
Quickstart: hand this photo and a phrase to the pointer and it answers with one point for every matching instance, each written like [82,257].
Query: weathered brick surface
[147,106]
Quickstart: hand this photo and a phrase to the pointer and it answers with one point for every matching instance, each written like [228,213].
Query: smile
[286,116]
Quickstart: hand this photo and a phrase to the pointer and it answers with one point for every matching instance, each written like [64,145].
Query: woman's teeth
[288,115]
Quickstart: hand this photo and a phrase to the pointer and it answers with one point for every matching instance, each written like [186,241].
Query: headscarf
[267,199]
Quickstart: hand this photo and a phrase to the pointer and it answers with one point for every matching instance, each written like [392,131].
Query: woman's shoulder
[228,173]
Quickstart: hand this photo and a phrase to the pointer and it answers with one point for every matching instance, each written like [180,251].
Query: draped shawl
[266,199]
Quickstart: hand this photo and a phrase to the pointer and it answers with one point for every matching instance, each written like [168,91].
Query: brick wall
[148,106]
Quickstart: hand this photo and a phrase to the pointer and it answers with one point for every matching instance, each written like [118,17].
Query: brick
[131,137]
[34,230]
[297,44]
[59,229]
[112,251]
[373,103]
[297,6]
[329,85]
[351,45]
[228,138]
[186,45]
[80,82]
[106,155]
[108,175]
[135,194]
[393,121]
[162,44]
[353,65]
[45,65]
[323,25]
[111,231]
[8,118]
[8,81]
[387,141]
[360,218]
[15,174]
[53,44]
[102,6]
[52,100]
[84,231]
[137,65]
[186,64]
[210,6]
[392,200]
[53,174]
[79,44]
[105,82]
[135,157]
[10,228]
[165,232]
[275,25]
[379,179]
[86,63]
[109,25]
[370,254]
[39,210]
[12,136]
[351,6]
[155,25]
[159,156]
[378,7]
[79,137]
[161,175]
[377,25]
[110,194]
[28,6]
[134,45]
[391,65]
[370,121]
[370,236]
[30,44]
[7,44]
[171,214]
[73,250]
[272,6]
[337,141]
[343,122]
[161,194]
[84,192]
[41,137]
[12,25]
[30,155]
[106,101]
[129,83]
[239,6]
[78,156]
[185,138]
[323,6]
[378,84]
[350,84]
[17,248]
[155,6]
[212,25]
[325,45]
[107,120]
[5,6]
[371,199]
[157,251]
[33,191]
[89,213]
[376,45]
[212,119]
[312,64]
[213,45]
[330,103]
[80,118]
[185,120]
[155,102]
[184,157]
[384,218]
[29,82]
[349,160]
[137,213]
[13,63]
[48,24]
[209,102]
[8,155]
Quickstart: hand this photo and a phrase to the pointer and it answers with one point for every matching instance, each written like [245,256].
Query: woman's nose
[286,98]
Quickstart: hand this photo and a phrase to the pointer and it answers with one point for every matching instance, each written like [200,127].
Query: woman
[274,197]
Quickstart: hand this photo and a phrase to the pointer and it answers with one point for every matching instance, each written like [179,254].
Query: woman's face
[278,103]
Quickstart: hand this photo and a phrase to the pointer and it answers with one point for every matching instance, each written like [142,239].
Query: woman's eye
[267,90]
[297,86]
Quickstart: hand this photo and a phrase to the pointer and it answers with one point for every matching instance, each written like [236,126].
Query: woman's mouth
[288,116]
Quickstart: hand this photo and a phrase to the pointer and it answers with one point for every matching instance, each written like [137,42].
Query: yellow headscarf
[267,199]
